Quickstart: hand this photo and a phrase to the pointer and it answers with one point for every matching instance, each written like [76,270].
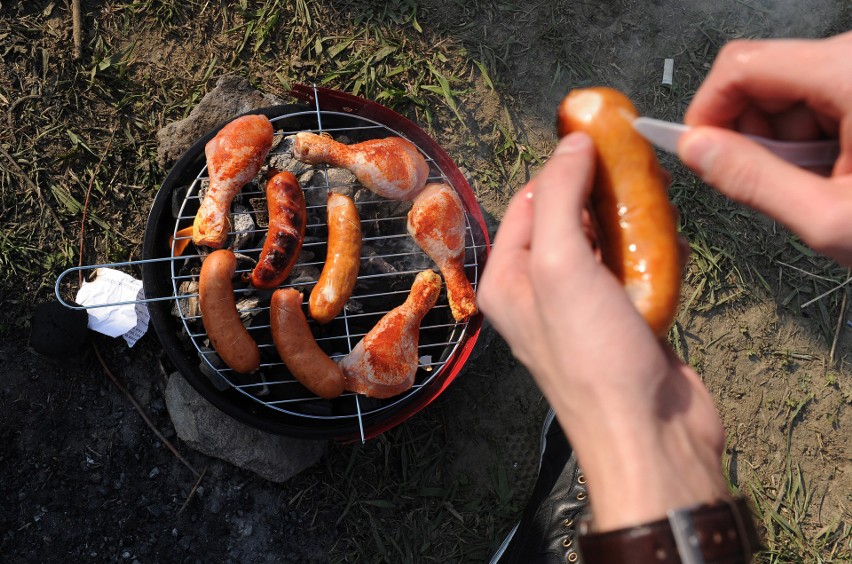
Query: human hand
[782,89]
[645,429]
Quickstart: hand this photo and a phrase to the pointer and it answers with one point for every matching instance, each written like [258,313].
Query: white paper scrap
[111,287]
[668,71]
[142,318]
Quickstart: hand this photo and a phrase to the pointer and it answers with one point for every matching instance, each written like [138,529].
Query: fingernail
[698,151]
[572,143]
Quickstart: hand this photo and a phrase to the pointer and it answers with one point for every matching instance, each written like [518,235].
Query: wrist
[712,533]
[641,487]
[636,471]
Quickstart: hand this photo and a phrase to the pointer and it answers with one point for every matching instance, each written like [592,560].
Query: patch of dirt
[85,479]
[785,407]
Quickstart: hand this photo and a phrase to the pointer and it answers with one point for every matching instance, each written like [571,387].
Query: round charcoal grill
[271,399]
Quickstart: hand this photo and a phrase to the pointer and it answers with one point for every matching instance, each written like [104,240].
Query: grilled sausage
[297,347]
[342,259]
[219,313]
[287,214]
[636,221]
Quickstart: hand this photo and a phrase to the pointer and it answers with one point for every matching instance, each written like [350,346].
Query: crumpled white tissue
[112,287]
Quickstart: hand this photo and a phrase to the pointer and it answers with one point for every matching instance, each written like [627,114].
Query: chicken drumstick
[384,362]
[436,223]
[234,157]
[392,167]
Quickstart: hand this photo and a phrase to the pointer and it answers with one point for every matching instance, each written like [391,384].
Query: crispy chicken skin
[436,223]
[392,167]
[234,156]
[384,362]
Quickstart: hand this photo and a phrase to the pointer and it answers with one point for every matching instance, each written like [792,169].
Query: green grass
[400,504]
[783,502]
[122,92]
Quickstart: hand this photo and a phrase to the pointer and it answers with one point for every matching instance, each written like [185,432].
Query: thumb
[748,173]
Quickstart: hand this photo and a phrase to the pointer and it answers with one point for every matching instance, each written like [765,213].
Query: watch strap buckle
[686,540]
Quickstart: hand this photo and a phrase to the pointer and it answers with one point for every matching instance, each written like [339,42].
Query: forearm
[634,480]
[638,465]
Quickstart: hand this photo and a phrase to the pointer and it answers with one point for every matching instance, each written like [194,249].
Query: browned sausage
[638,231]
[219,313]
[342,260]
[287,214]
[297,347]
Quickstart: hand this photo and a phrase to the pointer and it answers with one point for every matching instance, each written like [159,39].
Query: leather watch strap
[722,533]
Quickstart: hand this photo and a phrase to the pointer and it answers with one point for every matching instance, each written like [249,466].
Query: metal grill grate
[390,260]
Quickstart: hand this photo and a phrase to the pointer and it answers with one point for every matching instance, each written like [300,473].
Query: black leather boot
[546,533]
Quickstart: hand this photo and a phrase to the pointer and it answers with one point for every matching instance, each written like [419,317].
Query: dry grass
[148,62]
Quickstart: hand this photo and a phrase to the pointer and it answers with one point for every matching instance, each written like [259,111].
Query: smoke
[624,43]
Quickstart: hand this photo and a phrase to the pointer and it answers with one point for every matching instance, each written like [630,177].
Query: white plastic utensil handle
[665,135]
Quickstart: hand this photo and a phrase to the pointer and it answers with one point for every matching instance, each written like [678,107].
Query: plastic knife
[665,135]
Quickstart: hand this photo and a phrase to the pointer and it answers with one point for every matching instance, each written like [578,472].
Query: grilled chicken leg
[436,222]
[234,157]
[392,167]
[384,362]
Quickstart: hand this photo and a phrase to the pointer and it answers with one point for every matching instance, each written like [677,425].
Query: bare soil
[84,479]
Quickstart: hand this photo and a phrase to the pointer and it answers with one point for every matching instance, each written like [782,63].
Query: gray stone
[232,96]
[205,428]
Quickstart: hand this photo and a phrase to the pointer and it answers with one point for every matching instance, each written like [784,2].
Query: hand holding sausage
[806,97]
[610,379]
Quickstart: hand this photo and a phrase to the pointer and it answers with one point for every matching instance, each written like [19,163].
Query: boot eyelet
[567,523]
[572,557]
[581,479]
[567,542]
[581,496]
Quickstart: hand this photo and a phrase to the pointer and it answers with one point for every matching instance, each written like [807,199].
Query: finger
[753,121]
[513,236]
[507,258]
[796,124]
[562,188]
[843,165]
[515,229]
[590,230]
[748,70]
[749,174]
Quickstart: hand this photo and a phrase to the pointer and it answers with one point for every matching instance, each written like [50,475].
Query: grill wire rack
[390,260]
